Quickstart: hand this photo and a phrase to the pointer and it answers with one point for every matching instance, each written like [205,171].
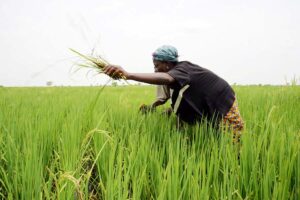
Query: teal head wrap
[166,53]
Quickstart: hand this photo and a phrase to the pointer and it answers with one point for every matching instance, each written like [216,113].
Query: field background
[89,143]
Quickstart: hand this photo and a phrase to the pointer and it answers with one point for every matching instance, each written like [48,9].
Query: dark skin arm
[158,103]
[145,108]
[158,78]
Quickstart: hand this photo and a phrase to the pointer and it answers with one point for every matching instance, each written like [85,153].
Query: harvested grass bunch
[95,63]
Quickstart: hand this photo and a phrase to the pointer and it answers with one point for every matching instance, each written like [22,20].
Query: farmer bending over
[198,93]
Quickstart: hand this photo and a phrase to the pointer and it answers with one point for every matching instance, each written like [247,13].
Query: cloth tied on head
[166,53]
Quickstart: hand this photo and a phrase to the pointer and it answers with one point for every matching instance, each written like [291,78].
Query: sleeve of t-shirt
[162,93]
[180,75]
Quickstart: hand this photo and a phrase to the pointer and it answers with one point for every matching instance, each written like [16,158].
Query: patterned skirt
[234,122]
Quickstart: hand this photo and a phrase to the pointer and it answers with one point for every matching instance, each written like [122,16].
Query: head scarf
[166,53]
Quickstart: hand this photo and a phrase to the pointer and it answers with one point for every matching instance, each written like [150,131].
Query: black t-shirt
[199,93]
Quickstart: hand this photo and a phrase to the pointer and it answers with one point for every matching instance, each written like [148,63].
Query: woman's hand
[145,109]
[116,72]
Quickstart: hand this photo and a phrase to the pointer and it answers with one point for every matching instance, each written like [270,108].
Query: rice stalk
[95,63]
[69,176]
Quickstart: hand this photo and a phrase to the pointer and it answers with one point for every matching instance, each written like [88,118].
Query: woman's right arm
[158,78]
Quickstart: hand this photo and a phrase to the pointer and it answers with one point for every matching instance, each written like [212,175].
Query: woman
[197,94]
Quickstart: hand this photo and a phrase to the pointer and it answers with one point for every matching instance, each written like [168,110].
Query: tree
[49,83]
[114,83]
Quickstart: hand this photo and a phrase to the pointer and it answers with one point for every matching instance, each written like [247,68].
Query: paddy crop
[88,143]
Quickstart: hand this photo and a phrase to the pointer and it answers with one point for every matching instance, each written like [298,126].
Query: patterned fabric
[234,122]
[166,53]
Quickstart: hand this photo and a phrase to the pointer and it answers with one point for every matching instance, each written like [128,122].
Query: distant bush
[115,84]
[49,83]
[293,81]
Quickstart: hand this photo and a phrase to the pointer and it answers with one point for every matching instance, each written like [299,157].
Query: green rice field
[92,143]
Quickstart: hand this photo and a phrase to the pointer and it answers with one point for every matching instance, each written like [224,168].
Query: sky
[244,42]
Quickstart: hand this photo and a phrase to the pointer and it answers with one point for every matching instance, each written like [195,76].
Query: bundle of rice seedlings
[95,63]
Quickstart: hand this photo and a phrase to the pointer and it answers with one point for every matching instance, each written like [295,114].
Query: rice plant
[79,143]
[95,63]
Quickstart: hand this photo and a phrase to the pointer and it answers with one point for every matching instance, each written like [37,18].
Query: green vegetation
[88,143]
